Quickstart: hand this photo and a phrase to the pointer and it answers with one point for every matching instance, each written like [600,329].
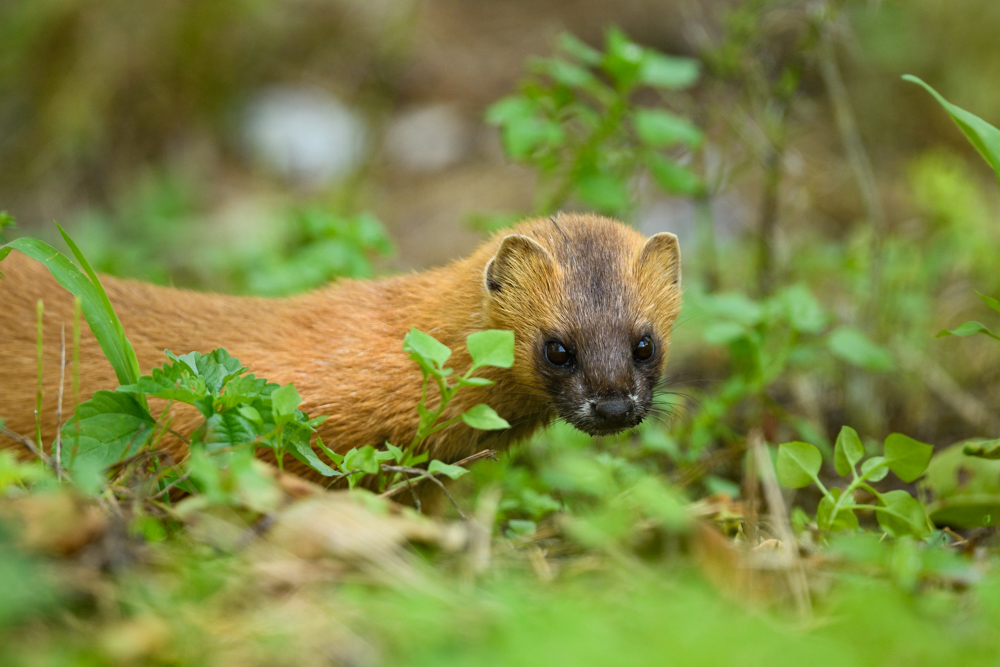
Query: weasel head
[591,303]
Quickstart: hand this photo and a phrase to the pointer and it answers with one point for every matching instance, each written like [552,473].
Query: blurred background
[839,220]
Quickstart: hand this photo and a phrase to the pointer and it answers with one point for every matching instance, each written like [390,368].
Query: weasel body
[591,303]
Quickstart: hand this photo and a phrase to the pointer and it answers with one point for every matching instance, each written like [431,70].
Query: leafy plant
[576,122]
[898,513]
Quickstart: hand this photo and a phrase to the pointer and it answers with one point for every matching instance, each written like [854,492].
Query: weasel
[591,303]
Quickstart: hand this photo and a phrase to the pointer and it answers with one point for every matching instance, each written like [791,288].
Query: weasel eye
[644,349]
[557,354]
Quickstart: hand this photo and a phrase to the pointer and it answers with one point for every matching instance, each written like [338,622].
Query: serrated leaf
[906,457]
[968,329]
[491,348]
[446,469]
[426,347]
[852,346]
[902,515]
[225,429]
[848,451]
[303,452]
[873,463]
[980,134]
[484,418]
[798,464]
[109,427]
[658,128]
[285,400]
[670,72]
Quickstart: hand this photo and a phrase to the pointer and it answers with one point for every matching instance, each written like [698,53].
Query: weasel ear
[519,261]
[660,260]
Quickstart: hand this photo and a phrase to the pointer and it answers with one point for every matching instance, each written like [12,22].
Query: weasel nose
[614,412]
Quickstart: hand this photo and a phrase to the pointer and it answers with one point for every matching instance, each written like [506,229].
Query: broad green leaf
[567,74]
[225,429]
[523,136]
[848,451]
[907,457]
[990,301]
[670,72]
[332,455]
[249,412]
[968,329]
[303,452]
[510,109]
[984,449]
[798,464]
[845,518]
[245,389]
[484,418]
[604,191]
[670,176]
[522,527]
[733,306]
[724,333]
[873,463]
[363,459]
[491,348]
[852,346]
[903,515]
[804,312]
[446,469]
[658,128]
[107,428]
[982,135]
[285,400]
[94,303]
[426,347]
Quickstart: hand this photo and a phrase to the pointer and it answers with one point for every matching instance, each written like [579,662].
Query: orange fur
[342,345]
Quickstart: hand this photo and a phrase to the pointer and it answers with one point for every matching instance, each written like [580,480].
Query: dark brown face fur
[596,302]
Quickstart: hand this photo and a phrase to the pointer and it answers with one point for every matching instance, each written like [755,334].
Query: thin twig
[28,443]
[59,404]
[779,522]
[426,475]
[486,453]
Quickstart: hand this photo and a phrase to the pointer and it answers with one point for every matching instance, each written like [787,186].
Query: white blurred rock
[304,134]
[428,138]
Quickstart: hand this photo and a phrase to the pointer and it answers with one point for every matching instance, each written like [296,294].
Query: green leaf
[982,135]
[446,469]
[968,329]
[670,72]
[845,518]
[798,464]
[94,302]
[902,515]
[984,449]
[907,457]
[671,177]
[802,309]
[476,382]
[510,109]
[567,74]
[658,128]
[724,333]
[852,346]
[426,347]
[848,451]
[250,413]
[104,430]
[484,418]
[491,348]
[873,463]
[523,136]
[285,400]
[303,452]
[582,52]
[363,459]
[522,527]
[605,192]
[990,301]
[225,429]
